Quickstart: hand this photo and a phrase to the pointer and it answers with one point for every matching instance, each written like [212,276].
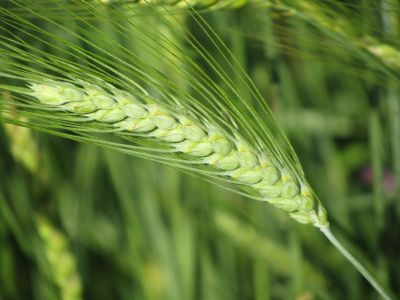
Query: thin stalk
[367,275]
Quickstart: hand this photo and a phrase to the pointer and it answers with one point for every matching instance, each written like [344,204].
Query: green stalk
[367,275]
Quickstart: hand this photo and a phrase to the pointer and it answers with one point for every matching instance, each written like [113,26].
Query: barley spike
[231,156]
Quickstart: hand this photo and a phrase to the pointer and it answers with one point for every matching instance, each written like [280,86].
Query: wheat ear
[230,156]
[62,262]
[322,17]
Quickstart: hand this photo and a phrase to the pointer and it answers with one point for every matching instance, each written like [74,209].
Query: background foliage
[82,222]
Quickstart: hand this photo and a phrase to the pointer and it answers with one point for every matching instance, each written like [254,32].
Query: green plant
[202,108]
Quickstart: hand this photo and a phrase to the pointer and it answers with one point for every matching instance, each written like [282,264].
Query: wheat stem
[367,275]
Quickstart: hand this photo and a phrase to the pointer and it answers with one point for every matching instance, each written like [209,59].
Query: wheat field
[89,213]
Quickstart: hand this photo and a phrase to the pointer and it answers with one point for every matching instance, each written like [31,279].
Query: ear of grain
[231,156]
[62,262]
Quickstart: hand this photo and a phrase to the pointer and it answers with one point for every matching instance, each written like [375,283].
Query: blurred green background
[82,222]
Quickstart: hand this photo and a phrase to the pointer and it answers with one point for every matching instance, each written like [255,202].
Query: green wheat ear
[62,262]
[331,18]
[229,155]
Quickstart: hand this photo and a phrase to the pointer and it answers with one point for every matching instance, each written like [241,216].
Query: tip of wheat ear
[231,157]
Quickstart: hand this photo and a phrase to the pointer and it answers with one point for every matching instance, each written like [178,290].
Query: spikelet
[231,156]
